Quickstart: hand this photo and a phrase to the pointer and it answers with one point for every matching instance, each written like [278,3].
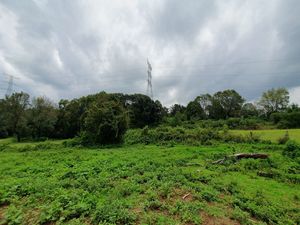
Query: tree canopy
[274,100]
[103,118]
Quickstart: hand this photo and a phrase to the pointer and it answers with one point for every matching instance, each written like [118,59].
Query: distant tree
[3,119]
[143,110]
[16,106]
[69,118]
[205,102]
[178,119]
[293,108]
[226,104]
[249,110]
[105,122]
[274,100]
[42,117]
[176,108]
[71,114]
[194,111]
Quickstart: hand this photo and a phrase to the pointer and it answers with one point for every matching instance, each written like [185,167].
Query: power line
[194,67]
[228,64]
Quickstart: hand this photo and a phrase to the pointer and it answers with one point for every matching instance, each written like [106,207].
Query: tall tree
[274,100]
[226,104]
[176,108]
[42,117]
[205,102]
[143,110]
[105,122]
[194,111]
[3,119]
[16,106]
[248,110]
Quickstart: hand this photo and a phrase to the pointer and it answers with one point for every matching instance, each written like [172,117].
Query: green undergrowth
[46,183]
[188,136]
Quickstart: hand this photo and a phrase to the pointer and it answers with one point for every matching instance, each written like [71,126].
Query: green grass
[272,135]
[146,185]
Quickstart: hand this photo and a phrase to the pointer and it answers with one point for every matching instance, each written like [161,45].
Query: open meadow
[272,135]
[50,183]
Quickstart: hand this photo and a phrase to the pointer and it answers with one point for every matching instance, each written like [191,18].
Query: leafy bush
[233,123]
[38,147]
[72,142]
[4,147]
[236,138]
[112,213]
[196,136]
[209,195]
[13,216]
[161,135]
[292,149]
[241,216]
[105,123]
[284,139]
[286,120]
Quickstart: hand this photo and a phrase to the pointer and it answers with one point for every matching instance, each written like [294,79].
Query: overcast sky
[70,48]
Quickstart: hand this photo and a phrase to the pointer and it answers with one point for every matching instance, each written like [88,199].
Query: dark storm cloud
[66,49]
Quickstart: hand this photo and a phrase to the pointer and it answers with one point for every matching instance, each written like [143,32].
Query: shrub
[105,123]
[286,119]
[4,147]
[209,195]
[13,216]
[205,136]
[240,215]
[232,123]
[292,149]
[72,142]
[112,213]
[163,135]
[237,138]
[284,139]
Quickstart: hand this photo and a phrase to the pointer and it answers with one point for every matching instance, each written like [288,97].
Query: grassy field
[45,183]
[272,135]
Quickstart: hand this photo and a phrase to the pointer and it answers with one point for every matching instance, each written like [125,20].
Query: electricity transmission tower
[149,80]
[10,87]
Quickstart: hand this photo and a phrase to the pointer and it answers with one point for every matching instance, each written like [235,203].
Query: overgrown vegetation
[88,116]
[47,183]
[129,160]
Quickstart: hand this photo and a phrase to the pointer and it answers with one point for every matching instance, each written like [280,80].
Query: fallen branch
[186,195]
[242,156]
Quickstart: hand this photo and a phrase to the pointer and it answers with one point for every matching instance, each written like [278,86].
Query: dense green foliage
[14,114]
[100,118]
[105,123]
[286,119]
[181,135]
[40,118]
[274,100]
[46,183]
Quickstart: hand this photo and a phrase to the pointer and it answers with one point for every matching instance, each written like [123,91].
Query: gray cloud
[65,49]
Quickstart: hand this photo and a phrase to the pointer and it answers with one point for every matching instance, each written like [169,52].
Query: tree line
[104,117]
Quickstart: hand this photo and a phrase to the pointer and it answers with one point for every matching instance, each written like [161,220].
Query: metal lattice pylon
[149,80]
[9,89]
